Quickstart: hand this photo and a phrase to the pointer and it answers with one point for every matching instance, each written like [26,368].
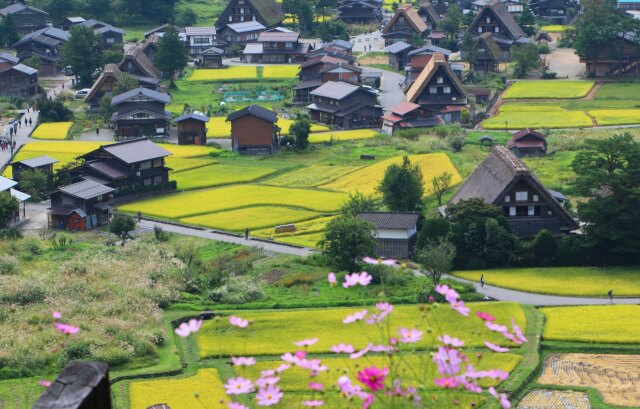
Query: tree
[608,175]
[440,183]
[106,110]
[52,111]
[112,56]
[526,59]
[34,182]
[301,12]
[33,62]
[417,41]
[8,209]
[433,229]
[474,208]
[437,258]
[544,247]
[402,187]
[9,33]
[171,55]
[346,240]
[125,83]
[322,6]
[452,23]
[597,28]
[59,9]
[121,225]
[358,203]
[469,50]
[83,52]
[301,129]
[527,21]
[186,17]
[62,177]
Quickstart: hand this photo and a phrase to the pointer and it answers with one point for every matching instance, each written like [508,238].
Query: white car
[371,89]
[81,93]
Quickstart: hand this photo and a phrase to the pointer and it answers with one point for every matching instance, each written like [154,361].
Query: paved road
[206,234]
[363,41]
[390,92]
[565,63]
[503,294]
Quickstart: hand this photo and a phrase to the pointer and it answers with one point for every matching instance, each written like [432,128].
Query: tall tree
[402,187]
[125,83]
[440,183]
[171,55]
[597,28]
[469,50]
[527,21]
[437,258]
[452,23]
[301,129]
[8,209]
[83,52]
[346,240]
[9,33]
[526,59]
[34,182]
[358,203]
[121,225]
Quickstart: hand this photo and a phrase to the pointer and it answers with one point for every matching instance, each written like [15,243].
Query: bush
[10,373]
[543,48]
[32,246]
[8,265]
[296,279]
[12,233]
[160,234]
[237,290]
[412,133]
[387,276]
[456,141]
[548,75]
[112,356]
[432,230]
[60,242]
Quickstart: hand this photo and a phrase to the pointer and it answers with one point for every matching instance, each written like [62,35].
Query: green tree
[417,41]
[452,23]
[62,176]
[53,111]
[34,183]
[33,62]
[469,50]
[172,54]
[608,175]
[112,56]
[527,21]
[432,230]
[122,226]
[597,28]
[125,83]
[8,209]
[321,7]
[186,17]
[526,59]
[440,183]
[9,33]
[437,258]
[544,248]
[346,240]
[301,129]
[358,203]
[474,208]
[402,187]
[83,52]
[59,9]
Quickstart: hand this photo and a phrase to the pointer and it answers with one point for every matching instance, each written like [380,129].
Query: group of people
[6,145]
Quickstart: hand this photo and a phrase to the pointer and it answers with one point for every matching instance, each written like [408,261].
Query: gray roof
[430,49]
[200,31]
[86,189]
[340,43]
[246,26]
[76,19]
[110,168]
[155,95]
[38,161]
[8,57]
[213,50]
[335,90]
[20,196]
[397,47]
[16,7]
[254,110]
[6,183]
[23,68]
[134,150]
[279,37]
[110,28]
[391,220]
[193,115]
[163,28]
[51,32]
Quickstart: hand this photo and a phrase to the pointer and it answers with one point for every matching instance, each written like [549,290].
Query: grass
[255,217]
[537,119]
[189,151]
[569,281]
[554,170]
[548,89]
[52,130]
[273,332]
[605,117]
[182,164]
[593,324]
[19,393]
[306,227]
[349,135]
[218,175]
[618,90]
[219,128]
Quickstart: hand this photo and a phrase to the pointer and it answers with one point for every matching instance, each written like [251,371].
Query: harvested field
[616,377]
[547,399]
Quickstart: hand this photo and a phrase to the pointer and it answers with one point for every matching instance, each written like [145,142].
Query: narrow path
[592,92]
[207,234]
[503,294]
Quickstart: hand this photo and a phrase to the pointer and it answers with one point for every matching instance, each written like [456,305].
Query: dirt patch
[374,59]
[546,399]
[273,276]
[616,377]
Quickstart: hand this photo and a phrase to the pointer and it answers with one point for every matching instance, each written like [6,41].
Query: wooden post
[81,385]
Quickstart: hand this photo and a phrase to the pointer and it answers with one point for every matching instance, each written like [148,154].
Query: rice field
[612,324]
[537,119]
[52,131]
[349,135]
[181,164]
[307,234]
[189,151]
[605,117]
[219,128]
[254,217]
[559,89]
[554,28]
[218,175]
[616,377]
[241,72]
[550,399]
[313,175]
[305,240]
[273,332]
[280,71]
[367,179]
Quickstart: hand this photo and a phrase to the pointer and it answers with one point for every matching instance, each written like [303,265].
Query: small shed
[80,206]
[543,36]
[192,129]
[398,54]
[528,143]
[396,232]
[212,58]
[254,130]
[43,163]
[372,79]
[486,140]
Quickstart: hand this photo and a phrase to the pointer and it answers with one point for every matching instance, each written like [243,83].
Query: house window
[241,18]
[440,80]
[230,18]
[480,50]
[241,11]
[488,20]
[497,29]
[433,90]
[521,196]
[512,211]
[401,20]
[111,40]
[507,199]
[535,198]
[157,180]
[479,29]
[446,90]
[288,45]
[148,181]
[530,211]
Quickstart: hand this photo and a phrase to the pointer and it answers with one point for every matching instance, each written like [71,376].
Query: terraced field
[52,130]
[549,399]
[218,175]
[255,217]
[548,89]
[218,127]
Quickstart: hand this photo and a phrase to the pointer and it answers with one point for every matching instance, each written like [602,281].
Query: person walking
[610,294]
[97,131]
[482,280]
[246,234]
[30,122]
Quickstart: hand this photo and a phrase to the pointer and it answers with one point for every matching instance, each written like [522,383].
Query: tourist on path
[610,294]
[246,234]
[482,280]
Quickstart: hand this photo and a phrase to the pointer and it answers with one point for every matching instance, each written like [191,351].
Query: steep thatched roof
[410,16]
[436,61]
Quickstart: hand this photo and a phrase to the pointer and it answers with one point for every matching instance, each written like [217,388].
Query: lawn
[255,217]
[593,324]
[19,393]
[273,332]
[570,281]
[605,117]
[52,130]
[218,127]
[349,135]
[367,179]
[554,170]
[313,175]
[537,119]
[199,202]
[218,175]
[548,89]
[181,164]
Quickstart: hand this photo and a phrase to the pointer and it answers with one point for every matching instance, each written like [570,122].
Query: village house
[405,25]
[28,19]
[160,30]
[360,11]
[528,143]
[44,44]
[495,18]
[240,34]
[69,22]
[140,112]
[338,49]
[129,167]
[429,15]
[505,181]
[107,82]
[396,232]
[18,81]
[136,63]
[418,58]
[80,206]
[41,163]
[318,70]
[619,57]
[192,129]
[399,55]
[345,105]
[200,39]
[212,58]
[514,7]
[276,47]
[111,36]
[254,131]
[407,115]
[266,12]
[7,60]
[488,55]
[438,90]
[558,11]
[7,185]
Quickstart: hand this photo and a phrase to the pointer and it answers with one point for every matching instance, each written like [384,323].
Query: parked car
[371,89]
[68,71]
[81,94]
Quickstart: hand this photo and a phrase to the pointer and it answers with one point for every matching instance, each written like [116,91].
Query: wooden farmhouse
[396,232]
[399,54]
[555,11]
[136,63]
[620,57]
[429,15]
[254,131]
[200,39]
[18,81]
[107,82]
[405,25]
[41,163]
[192,129]
[276,47]
[111,36]
[505,181]
[128,167]
[438,90]
[528,143]
[495,18]
[266,12]
[406,115]
[160,30]
[360,11]
[345,105]
[140,112]
[337,48]
[418,58]
[80,206]
[212,58]
[44,44]
[28,19]
[69,22]
[317,70]
[240,34]
[489,56]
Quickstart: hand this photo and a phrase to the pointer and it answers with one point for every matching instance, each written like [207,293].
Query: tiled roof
[200,31]
[86,189]
[133,151]
[38,161]
[276,36]
[254,110]
[193,115]
[335,90]
[397,47]
[392,220]
[155,95]
[246,26]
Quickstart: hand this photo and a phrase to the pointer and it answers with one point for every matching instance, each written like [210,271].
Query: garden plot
[616,377]
[52,130]
[548,89]
[548,399]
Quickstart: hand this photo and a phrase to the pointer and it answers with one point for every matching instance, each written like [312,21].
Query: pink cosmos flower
[66,328]
[448,361]
[449,293]
[306,342]
[282,368]
[185,329]
[495,327]
[385,309]
[447,382]
[300,355]
[495,348]
[316,386]
[357,316]
[376,261]
[45,383]
[266,381]
[471,386]
[362,279]
[485,316]
[239,385]
[332,279]
[459,306]
[409,336]
[269,396]
[511,337]
[236,405]
[238,322]
[342,348]
[268,372]
[243,361]
[57,315]
[492,373]
[518,331]
[291,358]
[504,402]
[312,403]
[373,377]
[362,352]
[452,341]
[368,401]
[350,390]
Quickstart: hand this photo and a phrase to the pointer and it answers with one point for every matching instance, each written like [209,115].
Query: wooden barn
[254,131]
[28,19]
[41,163]
[405,25]
[528,143]
[192,129]
[212,58]
[80,206]
[345,105]
[396,232]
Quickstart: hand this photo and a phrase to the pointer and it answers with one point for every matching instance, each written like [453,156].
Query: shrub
[456,141]
[387,276]
[296,279]
[112,356]
[432,230]
[160,234]
[32,246]
[61,242]
[543,48]
[549,75]
[8,265]
[12,233]
[73,268]
[237,290]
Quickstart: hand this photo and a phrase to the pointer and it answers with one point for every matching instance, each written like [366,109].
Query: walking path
[206,234]
[504,294]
